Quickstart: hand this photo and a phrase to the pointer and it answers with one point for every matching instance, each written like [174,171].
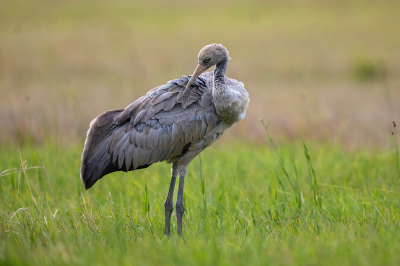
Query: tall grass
[330,207]
[394,133]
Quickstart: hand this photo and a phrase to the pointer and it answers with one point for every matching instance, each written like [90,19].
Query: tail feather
[96,161]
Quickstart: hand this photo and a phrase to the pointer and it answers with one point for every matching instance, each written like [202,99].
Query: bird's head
[210,55]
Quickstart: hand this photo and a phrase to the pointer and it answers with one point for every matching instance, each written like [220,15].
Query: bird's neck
[221,95]
[219,76]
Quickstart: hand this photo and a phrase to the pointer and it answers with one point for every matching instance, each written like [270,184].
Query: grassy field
[337,208]
[322,72]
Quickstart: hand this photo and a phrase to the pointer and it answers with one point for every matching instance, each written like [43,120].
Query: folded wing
[159,126]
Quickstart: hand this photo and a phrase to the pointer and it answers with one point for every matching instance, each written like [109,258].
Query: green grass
[341,209]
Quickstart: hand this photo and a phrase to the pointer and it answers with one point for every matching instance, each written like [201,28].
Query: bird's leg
[169,204]
[180,209]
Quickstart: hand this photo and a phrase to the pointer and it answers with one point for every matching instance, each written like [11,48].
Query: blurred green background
[323,71]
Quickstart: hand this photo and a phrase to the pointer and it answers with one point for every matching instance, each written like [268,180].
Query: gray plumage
[171,123]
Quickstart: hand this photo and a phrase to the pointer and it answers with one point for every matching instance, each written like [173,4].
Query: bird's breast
[231,107]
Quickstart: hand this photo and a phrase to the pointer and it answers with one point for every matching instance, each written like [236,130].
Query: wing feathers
[168,139]
[175,134]
[204,126]
[169,104]
[139,116]
[154,136]
[136,161]
[129,156]
[161,98]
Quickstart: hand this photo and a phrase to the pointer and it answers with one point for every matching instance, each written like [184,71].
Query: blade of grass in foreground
[313,178]
[295,188]
[397,154]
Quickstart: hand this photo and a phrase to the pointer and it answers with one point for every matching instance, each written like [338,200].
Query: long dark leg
[180,209]
[169,204]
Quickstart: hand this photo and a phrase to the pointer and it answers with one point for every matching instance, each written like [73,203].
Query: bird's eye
[207,60]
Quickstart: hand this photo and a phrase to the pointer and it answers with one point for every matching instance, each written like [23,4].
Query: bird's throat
[219,75]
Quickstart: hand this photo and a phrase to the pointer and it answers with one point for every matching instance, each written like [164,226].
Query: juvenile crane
[171,123]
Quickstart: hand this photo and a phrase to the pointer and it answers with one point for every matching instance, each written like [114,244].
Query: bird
[173,123]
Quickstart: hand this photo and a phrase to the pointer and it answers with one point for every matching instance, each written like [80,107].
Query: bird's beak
[199,69]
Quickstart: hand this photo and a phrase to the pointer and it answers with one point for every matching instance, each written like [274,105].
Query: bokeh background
[320,71]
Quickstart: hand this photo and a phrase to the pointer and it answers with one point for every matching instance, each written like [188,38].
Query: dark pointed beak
[199,69]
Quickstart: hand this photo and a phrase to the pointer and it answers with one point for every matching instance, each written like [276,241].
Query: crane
[173,123]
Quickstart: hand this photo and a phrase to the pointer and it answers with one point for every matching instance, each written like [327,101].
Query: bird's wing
[162,124]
